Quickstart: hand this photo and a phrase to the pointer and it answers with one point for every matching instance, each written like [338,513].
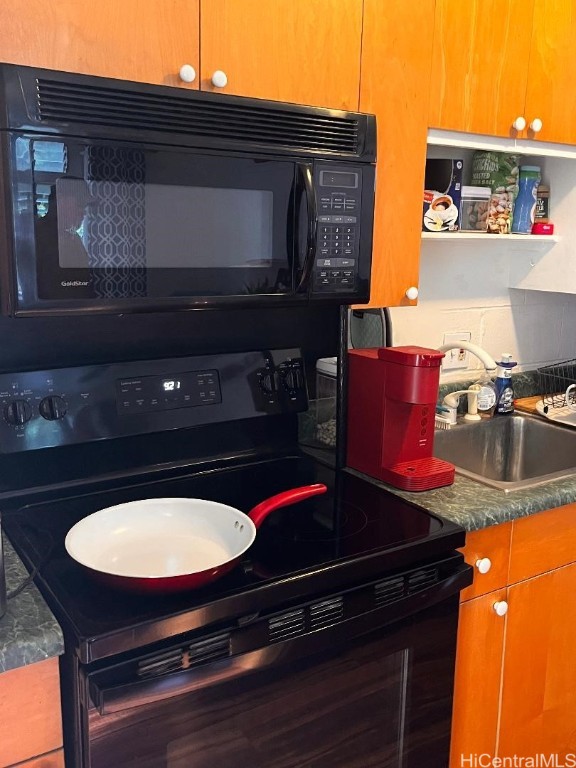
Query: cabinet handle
[536,125]
[187,73]
[519,124]
[500,608]
[219,79]
[412,293]
[484,564]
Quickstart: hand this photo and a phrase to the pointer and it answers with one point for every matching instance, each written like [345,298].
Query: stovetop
[355,532]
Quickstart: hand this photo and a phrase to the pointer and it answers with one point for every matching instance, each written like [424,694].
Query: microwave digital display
[339,179]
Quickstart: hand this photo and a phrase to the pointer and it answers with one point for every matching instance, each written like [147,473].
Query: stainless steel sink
[509,452]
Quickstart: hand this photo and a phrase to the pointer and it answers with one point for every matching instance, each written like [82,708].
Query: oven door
[317,689]
[124,227]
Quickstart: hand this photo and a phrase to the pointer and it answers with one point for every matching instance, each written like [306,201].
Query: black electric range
[331,586]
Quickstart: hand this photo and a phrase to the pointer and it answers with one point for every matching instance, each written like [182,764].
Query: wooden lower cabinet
[30,716]
[538,711]
[52,760]
[515,685]
[478,678]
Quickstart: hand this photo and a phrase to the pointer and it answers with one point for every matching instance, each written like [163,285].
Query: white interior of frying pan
[155,538]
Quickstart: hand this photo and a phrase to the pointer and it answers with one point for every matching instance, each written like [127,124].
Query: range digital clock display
[184,389]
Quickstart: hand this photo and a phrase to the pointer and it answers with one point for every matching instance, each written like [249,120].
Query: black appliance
[126,197]
[331,644]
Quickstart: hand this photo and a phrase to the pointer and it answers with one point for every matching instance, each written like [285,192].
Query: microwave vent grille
[231,121]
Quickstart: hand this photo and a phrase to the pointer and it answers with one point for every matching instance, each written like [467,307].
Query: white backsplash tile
[467,290]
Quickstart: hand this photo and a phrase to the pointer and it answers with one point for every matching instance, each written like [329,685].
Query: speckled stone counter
[28,630]
[474,505]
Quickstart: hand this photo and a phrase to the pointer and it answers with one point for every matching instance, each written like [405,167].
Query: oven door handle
[305,174]
[112,699]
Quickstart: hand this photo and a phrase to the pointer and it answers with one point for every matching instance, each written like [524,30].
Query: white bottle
[486,395]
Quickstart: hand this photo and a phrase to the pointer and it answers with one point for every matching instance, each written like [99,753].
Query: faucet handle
[451,400]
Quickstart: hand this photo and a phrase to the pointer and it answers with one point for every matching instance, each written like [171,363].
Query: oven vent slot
[327,612]
[161,663]
[287,625]
[388,591]
[208,649]
[191,115]
[421,579]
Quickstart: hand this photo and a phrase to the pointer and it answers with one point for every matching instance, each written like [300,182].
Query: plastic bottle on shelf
[504,390]
[525,204]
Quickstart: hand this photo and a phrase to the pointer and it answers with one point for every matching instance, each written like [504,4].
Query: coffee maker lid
[415,357]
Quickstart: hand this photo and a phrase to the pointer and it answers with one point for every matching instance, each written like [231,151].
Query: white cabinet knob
[519,124]
[412,293]
[536,125]
[484,564]
[187,73]
[219,79]
[500,608]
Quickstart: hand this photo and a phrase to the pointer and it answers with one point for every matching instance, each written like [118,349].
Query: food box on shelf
[442,188]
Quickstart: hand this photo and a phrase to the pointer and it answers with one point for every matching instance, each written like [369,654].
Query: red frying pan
[170,545]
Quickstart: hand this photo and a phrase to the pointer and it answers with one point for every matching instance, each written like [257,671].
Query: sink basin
[509,452]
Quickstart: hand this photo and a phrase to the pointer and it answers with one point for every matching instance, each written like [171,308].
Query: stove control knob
[267,380]
[52,408]
[18,412]
[293,379]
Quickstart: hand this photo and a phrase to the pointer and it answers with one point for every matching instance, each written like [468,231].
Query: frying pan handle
[284,499]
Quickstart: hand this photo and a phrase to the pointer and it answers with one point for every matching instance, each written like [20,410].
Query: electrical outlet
[456,359]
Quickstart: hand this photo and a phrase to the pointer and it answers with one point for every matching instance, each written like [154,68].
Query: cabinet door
[30,711]
[132,39]
[396,50]
[477,682]
[303,51]
[550,96]
[539,685]
[480,65]
[52,760]
[493,544]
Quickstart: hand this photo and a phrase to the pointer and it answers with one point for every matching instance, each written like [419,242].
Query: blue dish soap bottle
[504,389]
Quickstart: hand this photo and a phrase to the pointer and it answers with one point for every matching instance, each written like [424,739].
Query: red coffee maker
[392,393]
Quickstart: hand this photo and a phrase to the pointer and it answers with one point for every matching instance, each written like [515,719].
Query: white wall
[464,287]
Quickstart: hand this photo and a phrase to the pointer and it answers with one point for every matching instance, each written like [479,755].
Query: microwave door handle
[118,698]
[305,174]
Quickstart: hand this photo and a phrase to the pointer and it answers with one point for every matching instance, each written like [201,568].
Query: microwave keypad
[336,254]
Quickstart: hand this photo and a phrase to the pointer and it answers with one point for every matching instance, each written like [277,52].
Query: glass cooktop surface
[356,531]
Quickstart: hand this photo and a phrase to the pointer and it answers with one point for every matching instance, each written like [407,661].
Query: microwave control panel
[338,193]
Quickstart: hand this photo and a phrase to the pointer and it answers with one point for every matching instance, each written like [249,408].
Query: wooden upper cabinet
[552,73]
[396,57]
[303,51]
[480,65]
[132,39]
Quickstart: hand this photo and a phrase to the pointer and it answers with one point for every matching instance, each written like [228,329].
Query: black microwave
[126,197]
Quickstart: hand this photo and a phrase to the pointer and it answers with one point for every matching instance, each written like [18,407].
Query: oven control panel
[42,409]
[338,193]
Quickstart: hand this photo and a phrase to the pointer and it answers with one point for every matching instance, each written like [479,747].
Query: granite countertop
[28,630]
[474,505]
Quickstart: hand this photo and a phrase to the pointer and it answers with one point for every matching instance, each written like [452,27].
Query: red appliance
[392,393]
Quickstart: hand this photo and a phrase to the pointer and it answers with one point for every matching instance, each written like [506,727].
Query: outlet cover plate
[456,359]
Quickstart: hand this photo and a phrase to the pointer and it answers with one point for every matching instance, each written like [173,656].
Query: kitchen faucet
[447,412]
